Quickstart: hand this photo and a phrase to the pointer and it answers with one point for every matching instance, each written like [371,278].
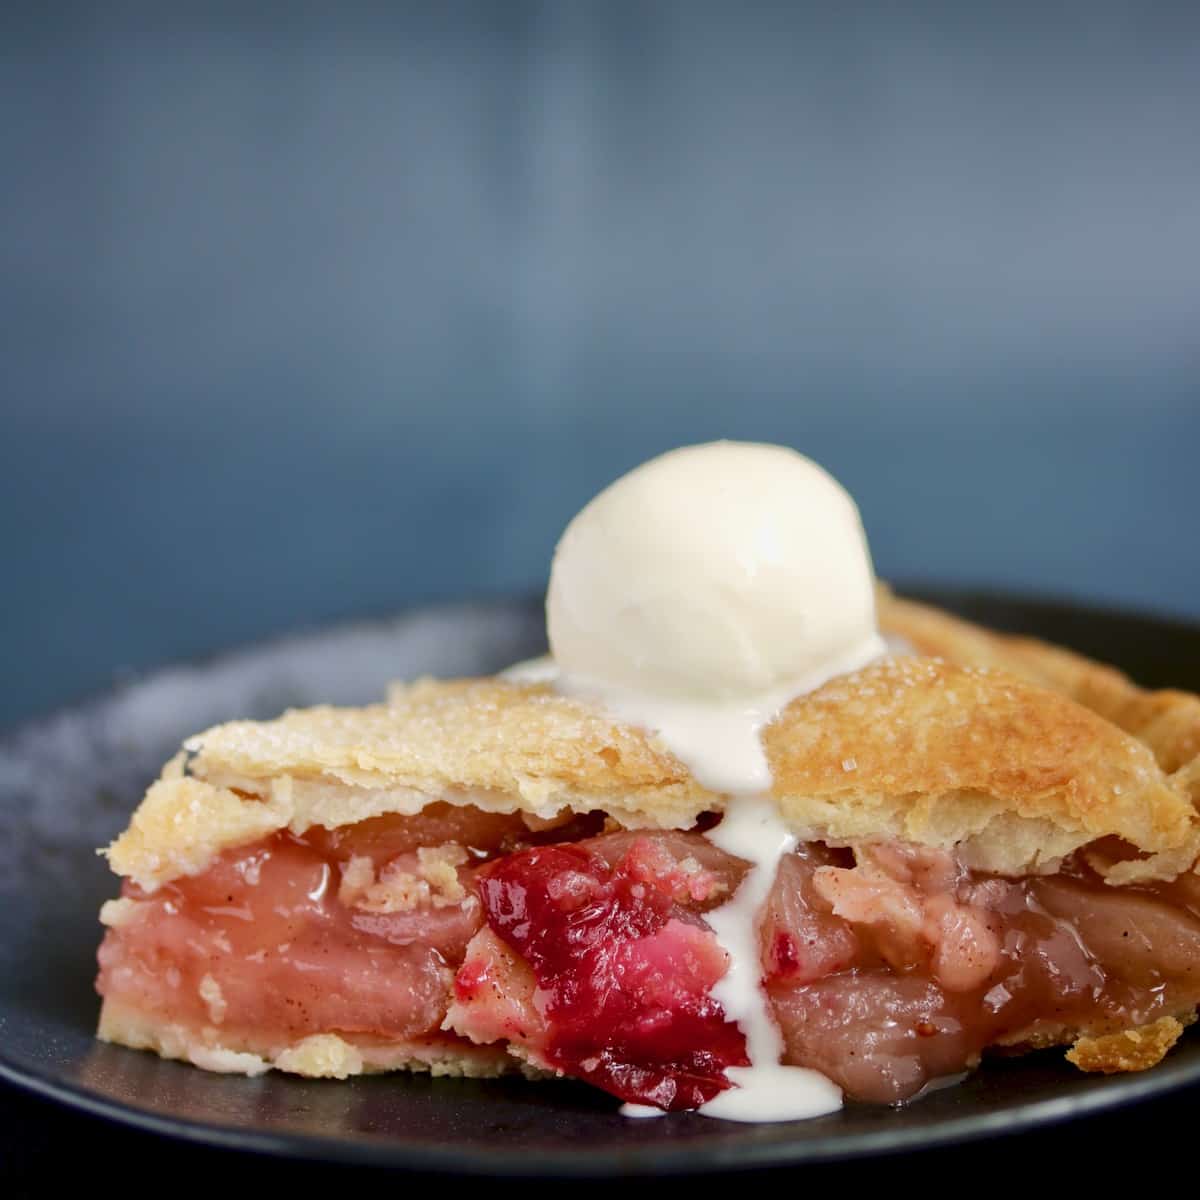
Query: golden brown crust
[1129,1050]
[321,1056]
[182,823]
[486,735]
[935,753]
[1167,721]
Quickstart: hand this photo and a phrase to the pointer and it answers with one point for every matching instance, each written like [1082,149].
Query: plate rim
[649,1159]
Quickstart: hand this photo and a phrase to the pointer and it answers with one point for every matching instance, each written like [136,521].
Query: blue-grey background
[315,310]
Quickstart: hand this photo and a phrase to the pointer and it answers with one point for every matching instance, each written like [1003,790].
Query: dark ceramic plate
[69,782]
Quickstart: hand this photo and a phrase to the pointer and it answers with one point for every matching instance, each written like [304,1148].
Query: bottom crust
[320,1056]
[1130,1049]
[1103,1048]
[330,1056]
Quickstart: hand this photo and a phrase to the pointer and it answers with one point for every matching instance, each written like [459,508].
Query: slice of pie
[996,854]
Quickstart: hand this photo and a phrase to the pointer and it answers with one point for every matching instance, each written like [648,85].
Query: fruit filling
[623,964]
[887,967]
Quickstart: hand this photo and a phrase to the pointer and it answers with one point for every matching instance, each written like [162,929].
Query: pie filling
[887,966]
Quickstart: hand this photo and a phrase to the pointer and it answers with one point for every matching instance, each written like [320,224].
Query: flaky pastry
[996,844]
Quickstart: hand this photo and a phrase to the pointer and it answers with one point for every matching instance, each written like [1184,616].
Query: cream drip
[641,1112]
[766,1090]
[720,743]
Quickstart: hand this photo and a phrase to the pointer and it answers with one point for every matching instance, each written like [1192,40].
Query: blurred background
[312,311]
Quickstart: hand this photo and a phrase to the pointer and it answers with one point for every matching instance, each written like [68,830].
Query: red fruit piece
[624,973]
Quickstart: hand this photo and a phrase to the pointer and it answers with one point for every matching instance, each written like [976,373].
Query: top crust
[1013,774]
[1167,721]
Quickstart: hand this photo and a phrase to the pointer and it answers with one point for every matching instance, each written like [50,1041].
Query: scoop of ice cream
[714,572]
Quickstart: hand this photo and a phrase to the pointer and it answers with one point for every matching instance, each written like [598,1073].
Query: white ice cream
[714,572]
[701,592]
[696,597]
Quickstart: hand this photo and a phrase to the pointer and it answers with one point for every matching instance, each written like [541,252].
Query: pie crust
[1011,754]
